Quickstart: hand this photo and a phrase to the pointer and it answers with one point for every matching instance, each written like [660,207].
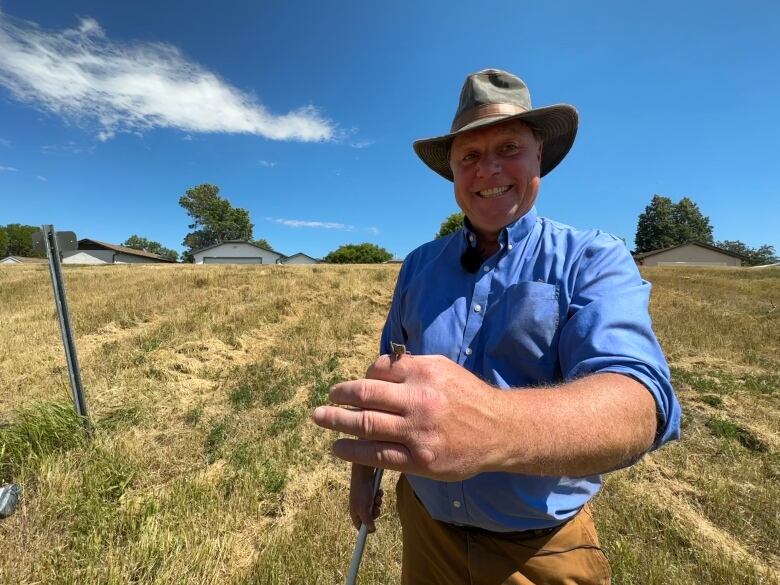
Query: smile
[494,192]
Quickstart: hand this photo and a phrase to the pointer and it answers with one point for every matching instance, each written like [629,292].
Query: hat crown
[489,87]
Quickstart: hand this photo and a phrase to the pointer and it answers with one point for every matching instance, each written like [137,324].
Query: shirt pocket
[529,313]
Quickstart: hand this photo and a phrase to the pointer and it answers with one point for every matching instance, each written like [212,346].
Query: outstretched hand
[424,415]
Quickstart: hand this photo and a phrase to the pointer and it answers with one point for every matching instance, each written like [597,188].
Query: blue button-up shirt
[553,304]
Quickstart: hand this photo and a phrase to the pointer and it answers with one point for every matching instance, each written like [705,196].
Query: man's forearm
[592,425]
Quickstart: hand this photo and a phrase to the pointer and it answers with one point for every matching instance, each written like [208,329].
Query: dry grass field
[204,468]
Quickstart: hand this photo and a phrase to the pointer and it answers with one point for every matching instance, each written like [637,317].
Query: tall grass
[204,468]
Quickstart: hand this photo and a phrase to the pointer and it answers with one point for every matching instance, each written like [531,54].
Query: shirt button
[456,503]
[468,351]
[477,308]
[509,246]
[486,268]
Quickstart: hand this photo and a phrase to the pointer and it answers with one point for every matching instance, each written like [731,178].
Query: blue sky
[304,112]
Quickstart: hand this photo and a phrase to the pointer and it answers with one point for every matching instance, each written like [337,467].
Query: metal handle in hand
[357,555]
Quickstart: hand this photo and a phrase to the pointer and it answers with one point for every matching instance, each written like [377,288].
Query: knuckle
[363,391]
[366,424]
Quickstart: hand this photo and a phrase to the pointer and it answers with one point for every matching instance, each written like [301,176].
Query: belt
[521,534]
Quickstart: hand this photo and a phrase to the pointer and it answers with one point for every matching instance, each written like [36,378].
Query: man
[533,367]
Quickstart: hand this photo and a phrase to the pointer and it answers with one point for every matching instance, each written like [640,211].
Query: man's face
[496,174]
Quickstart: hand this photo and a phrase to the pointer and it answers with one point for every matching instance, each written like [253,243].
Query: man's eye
[510,147]
[469,156]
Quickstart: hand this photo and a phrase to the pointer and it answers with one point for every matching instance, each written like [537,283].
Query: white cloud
[41,178]
[81,74]
[267,163]
[328,225]
[5,142]
[70,147]
[373,230]
[362,143]
[8,169]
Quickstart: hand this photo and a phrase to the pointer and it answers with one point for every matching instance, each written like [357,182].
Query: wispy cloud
[267,163]
[81,74]
[8,169]
[41,178]
[298,223]
[373,230]
[70,147]
[362,143]
[5,142]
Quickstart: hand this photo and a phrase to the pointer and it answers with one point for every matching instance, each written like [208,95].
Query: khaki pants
[436,553]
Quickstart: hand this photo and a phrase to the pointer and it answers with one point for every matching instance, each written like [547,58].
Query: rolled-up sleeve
[609,329]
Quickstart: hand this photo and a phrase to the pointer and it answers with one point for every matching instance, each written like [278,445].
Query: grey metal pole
[60,299]
[357,555]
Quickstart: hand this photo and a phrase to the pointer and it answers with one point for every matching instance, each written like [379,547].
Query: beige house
[299,258]
[236,252]
[689,254]
[94,252]
[13,260]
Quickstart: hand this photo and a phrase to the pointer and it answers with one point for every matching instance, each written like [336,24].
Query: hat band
[485,111]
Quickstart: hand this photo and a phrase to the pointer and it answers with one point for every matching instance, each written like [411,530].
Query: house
[13,260]
[94,252]
[299,258]
[236,252]
[689,254]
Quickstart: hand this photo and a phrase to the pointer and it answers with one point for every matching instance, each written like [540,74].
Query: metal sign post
[357,554]
[51,242]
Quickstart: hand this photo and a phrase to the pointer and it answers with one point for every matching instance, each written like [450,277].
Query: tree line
[664,224]
[214,220]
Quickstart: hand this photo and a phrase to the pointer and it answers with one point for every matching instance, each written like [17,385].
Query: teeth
[495,191]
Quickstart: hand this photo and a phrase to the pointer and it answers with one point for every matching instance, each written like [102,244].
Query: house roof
[701,244]
[122,249]
[238,242]
[25,259]
[302,254]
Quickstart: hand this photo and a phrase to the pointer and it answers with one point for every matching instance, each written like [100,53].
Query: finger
[371,394]
[390,368]
[393,456]
[365,424]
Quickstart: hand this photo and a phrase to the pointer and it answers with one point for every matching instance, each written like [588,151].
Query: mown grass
[203,467]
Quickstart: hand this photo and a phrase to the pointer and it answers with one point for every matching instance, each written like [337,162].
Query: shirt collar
[512,234]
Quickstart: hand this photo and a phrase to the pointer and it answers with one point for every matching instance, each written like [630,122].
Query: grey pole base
[357,555]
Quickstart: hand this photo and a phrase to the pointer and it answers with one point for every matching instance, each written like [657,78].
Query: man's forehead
[512,128]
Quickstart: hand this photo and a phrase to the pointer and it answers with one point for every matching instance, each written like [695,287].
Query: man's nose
[488,165]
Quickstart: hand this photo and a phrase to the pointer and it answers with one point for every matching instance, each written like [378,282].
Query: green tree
[753,256]
[263,243]
[664,224]
[359,254]
[215,220]
[450,225]
[3,242]
[141,243]
[690,224]
[19,240]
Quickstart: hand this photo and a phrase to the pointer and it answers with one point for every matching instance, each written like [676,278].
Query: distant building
[94,252]
[236,252]
[299,258]
[10,260]
[689,254]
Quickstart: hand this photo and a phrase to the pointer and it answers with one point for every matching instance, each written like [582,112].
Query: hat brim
[556,125]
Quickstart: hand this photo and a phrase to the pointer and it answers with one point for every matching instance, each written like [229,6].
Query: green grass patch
[287,420]
[192,417]
[36,431]
[712,400]
[725,429]
[215,440]
[762,383]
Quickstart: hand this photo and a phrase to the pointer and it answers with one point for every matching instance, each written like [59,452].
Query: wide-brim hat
[493,97]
